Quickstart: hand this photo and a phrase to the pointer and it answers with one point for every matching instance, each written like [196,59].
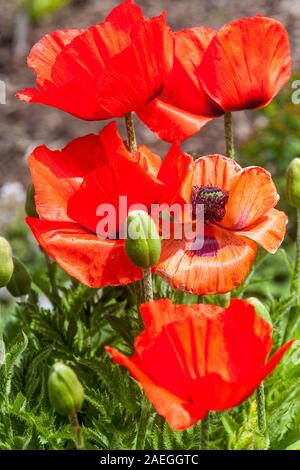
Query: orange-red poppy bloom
[241,66]
[71,184]
[192,359]
[105,71]
[238,206]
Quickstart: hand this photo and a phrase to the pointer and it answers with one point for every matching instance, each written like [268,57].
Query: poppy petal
[176,173]
[125,15]
[269,231]
[148,160]
[215,170]
[158,314]
[58,174]
[76,70]
[276,358]
[178,413]
[147,62]
[93,261]
[44,53]
[246,64]
[171,123]
[252,194]
[116,177]
[221,264]
[190,47]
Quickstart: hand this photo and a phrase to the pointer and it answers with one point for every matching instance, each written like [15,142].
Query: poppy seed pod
[30,202]
[65,391]
[143,245]
[293,183]
[6,262]
[260,309]
[20,281]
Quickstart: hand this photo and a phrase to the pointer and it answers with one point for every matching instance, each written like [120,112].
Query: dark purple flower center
[213,200]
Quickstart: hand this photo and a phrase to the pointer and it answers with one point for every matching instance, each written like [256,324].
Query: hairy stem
[145,405]
[130,132]
[229,135]
[147,285]
[77,431]
[204,432]
[261,409]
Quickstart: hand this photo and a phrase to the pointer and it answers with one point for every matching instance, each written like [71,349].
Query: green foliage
[37,9]
[75,329]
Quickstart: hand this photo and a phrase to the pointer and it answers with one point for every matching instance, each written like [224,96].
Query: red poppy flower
[238,211]
[242,66]
[72,183]
[105,71]
[192,359]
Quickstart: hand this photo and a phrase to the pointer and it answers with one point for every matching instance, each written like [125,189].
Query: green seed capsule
[65,391]
[293,183]
[6,262]
[143,245]
[30,202]
[20,281]
[260,309]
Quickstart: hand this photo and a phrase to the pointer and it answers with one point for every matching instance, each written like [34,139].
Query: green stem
[147,285]
[145,405]
[296,279]
[130,132]
[204,432]
[77,431]
[229,135]
[261,409]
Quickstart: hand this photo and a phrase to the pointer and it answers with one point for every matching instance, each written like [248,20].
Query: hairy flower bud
[143,245]
[260,309]
[30,202]
[6,262]
[20,281]
[65,391]
[293,183]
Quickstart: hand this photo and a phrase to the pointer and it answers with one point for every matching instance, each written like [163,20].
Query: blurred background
[270,137]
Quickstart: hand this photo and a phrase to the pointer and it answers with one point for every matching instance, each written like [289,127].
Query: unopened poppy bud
[65,391]
[293,183]
[30,202]
[6,262]
[143,245]
[20,281]
[260,309]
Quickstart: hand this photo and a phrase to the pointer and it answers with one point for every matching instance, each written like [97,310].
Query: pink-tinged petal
[171,123]
[269,231]
[215,170]
[252,194]
[220,265]
[93,261]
